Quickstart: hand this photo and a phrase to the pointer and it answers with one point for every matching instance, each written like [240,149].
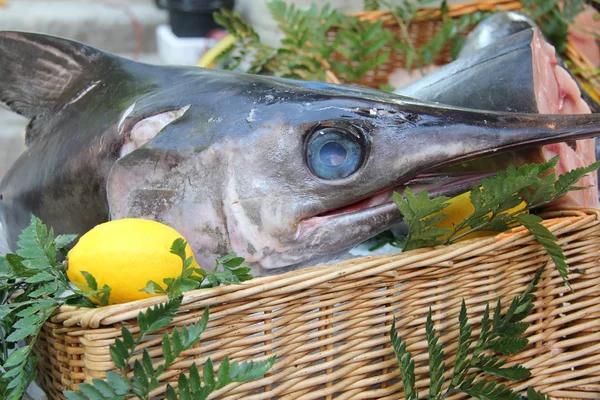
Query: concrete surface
[125,27]
[117,26]
[3,246]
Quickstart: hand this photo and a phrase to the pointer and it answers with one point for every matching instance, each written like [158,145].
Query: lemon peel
[125,254]
[459,208]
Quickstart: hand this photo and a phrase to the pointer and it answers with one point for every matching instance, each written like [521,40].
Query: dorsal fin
[39,72]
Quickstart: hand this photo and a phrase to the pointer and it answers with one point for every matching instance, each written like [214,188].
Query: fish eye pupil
[333,154]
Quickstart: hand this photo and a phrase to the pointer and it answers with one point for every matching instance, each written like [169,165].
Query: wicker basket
[329,325]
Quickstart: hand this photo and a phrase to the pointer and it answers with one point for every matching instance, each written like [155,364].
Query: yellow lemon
[125,254]
[460,208]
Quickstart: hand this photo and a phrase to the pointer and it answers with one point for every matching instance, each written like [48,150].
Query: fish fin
[38,73]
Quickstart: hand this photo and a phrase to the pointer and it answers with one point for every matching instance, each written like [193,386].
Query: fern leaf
[159,316]
[436,359]
[486,390]
[405,363]
[461,363]
[548,241]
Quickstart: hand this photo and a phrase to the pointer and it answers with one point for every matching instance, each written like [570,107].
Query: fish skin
[467,81]
[488,79]
[501,25]
[231,173]
[493,29]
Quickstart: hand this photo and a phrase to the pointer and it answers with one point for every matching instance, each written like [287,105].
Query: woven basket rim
[431,12]
[70,316]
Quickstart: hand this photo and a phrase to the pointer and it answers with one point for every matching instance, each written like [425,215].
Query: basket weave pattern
[329,326]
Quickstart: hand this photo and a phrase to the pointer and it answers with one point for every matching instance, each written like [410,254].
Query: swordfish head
[282,172]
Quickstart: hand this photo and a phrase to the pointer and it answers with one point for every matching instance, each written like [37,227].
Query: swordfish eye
[334,153]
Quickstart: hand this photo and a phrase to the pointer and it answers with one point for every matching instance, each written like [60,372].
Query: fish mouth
[436,183]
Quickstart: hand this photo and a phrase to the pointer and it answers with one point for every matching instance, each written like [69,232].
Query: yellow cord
[208,59]
[590,90]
